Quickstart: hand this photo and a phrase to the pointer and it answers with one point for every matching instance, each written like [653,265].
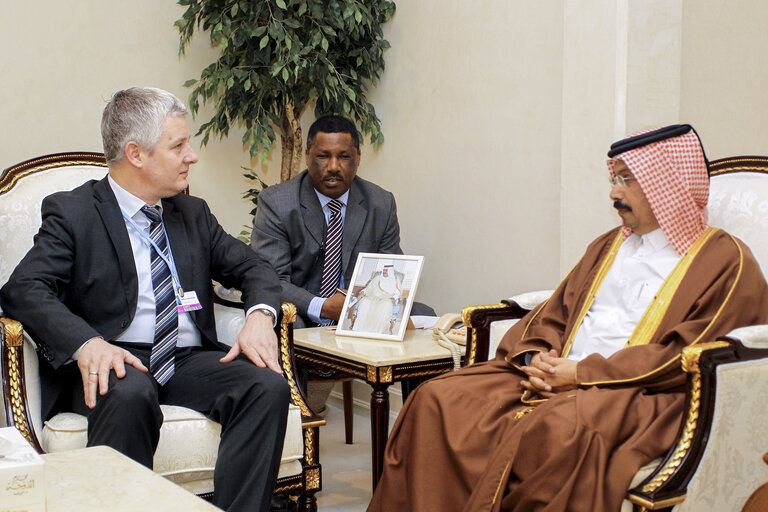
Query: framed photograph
[380,296]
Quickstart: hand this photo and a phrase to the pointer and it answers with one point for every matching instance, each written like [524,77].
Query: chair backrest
[738,201]
[22,190]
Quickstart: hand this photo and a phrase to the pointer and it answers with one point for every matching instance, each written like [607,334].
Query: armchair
[718,459]
[187,451]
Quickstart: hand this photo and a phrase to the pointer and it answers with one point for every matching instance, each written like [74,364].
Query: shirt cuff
[264,307]
[315,308]
[77,352]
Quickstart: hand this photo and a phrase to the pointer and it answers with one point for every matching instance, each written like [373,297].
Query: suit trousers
[249,402]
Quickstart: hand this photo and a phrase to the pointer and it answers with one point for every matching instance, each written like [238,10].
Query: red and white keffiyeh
[673,176]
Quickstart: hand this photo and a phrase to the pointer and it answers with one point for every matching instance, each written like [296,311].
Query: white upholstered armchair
[721,455]
[187,451]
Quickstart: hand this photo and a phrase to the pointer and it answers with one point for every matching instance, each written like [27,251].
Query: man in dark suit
[116,291]
[292,220]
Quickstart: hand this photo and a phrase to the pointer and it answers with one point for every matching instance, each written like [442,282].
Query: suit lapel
[354,220]
[177,237]
[108,209]
[311,211]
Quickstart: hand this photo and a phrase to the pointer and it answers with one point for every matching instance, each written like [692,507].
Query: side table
[379,363]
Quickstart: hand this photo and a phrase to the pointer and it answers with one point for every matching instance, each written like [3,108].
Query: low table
[99,478]
[379,363]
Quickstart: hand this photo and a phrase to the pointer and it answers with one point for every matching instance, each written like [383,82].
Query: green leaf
[358,16]
[230,82]
[281,4]
[324,44]
[285,74]
[247,85]
[264,41]
[190,83]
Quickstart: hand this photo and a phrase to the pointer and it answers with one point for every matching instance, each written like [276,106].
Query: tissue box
[22,486]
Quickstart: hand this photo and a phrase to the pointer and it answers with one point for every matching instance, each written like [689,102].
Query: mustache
[621,206]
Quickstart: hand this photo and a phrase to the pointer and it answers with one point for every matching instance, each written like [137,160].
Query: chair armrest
[478,320]
[15,400]
[287,362]
[703,362]
[228,298]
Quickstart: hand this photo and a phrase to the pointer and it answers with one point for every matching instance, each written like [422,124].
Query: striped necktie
[332,262]
[161,360]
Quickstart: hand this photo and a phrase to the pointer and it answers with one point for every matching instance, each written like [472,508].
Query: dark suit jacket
[289,231]
[79,279]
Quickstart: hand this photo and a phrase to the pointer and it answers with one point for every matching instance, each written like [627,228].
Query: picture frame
[380,296]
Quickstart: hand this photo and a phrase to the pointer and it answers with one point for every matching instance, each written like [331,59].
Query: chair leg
[349,411]
[308,502]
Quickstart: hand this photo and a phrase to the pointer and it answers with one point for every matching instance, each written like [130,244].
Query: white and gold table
[379,363]
[99,478]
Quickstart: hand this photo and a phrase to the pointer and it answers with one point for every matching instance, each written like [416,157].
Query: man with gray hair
[116,291]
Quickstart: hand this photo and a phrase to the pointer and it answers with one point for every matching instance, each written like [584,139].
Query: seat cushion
[187,451]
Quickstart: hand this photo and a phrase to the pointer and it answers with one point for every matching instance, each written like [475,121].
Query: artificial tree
[276,58]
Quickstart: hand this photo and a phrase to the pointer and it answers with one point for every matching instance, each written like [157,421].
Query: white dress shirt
[641,265]
[142,328]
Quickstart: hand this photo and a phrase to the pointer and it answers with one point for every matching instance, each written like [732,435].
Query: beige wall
[61,62]
[724,77]
[497,113]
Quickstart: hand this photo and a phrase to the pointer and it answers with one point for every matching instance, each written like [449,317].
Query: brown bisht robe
[462,441]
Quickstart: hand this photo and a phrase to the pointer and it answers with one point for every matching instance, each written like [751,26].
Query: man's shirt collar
[128,202]
[324,200]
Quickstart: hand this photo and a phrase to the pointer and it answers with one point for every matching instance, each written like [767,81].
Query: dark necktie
[161,361]
[332,262]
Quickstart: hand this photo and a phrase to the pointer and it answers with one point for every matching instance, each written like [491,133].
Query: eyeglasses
[621,181]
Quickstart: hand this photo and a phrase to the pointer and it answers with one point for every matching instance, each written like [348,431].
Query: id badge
[188,302]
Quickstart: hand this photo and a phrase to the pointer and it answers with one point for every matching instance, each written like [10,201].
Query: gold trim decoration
[648,505]
[692,354]
[303,354]
[372,377]
[466,313]
[13,332]
[684,444]
[285,488]
[466,319]
[647,325]
[13,337]
[16,393]
[313,479]
[289,311]
[309,447]
[385,373]
[605,266]
[523,412]
[15,177]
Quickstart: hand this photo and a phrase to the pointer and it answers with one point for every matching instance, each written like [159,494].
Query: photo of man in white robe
[377,301]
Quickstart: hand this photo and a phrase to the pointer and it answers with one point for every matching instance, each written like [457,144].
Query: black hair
[333,124]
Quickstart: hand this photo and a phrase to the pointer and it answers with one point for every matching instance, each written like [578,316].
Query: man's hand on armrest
[95,360]
[257,340]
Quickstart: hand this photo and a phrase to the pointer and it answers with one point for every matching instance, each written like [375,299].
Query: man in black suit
[292,219]
[116,291]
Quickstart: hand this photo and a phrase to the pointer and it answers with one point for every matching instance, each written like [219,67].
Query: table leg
[379,428]
[349,411]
